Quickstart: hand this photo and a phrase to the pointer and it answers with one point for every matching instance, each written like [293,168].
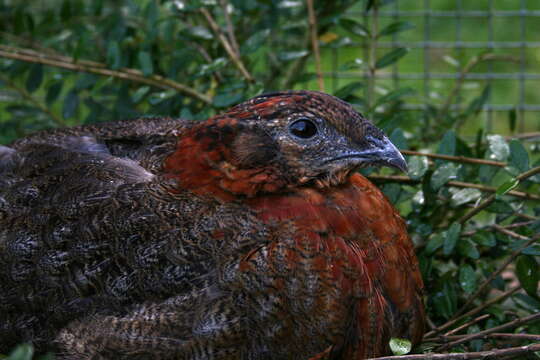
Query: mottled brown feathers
[246,236]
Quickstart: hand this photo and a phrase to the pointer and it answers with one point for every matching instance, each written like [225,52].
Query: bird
[250,235]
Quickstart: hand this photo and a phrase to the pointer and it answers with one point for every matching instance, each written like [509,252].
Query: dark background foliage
[471,197]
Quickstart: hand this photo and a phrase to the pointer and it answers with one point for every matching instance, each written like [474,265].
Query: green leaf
[498,147]
[66,11]
[22,352]
[443,174]
[397,137]
[512,119]
[451,237]
[400,346]
[434,243]
[500,207]
[207,69]
[255,41]
[418,166]
[292,55]
[140,94]
[484,239]
[519,158]
[477,104]
[200,32]
[395,28]
[145,60]
[467,278]
[391,57]
[445,300]
[354,27]
[464,196]
[35,78]
[487,173]
[507,186]
[393,96]
[227,99]
[528,301]
[447,145]
[113,55]
[528,274]
[53,91]
[71,102]
[152,13]
[466,247]
[347,90]
[351,65]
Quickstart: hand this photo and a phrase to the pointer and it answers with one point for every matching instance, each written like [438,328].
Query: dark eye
[303,129]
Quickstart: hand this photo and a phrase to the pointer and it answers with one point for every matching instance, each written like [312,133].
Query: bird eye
[303,129]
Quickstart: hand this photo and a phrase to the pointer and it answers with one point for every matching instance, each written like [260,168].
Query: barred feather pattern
[160,238]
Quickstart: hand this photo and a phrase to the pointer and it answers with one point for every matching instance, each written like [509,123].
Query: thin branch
[468,67]
[489,354]
[496,273]
[473,312]
[460,184]
[227,46]
[504,230]
[293,70]
[525,136]
[230,28]
[461,159]
[494,227]
[508,336]
[511,324]
[68,63]
[531,337]
[467,324]
[372,54]
[28,97]
[492,197]
[315,43]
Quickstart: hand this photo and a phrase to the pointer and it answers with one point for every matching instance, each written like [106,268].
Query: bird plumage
[247,236]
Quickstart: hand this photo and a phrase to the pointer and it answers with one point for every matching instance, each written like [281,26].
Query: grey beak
[381,151]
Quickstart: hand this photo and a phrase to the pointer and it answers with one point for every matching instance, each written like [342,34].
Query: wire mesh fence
[445,37]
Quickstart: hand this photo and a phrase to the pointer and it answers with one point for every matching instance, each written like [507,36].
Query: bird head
[280,141]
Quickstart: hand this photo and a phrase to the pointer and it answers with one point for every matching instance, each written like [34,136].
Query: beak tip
[399,163]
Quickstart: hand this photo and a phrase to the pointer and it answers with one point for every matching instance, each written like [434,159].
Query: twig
[473,312]
[468,67]
[510,336]
[227,46]
[492,228]
[315,43]
[492,197]
[525,136]
[467,324]
[28,97]
[461,159]
[230,28]
[496,273]
[372,54]
[68,63]
[460,184]
[504,230]
[489,354]
[511,324]
[532,337]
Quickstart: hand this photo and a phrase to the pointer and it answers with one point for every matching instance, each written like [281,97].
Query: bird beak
[381,151]
[388,154]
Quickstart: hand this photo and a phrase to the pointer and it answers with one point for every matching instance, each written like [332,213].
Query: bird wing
[73,221]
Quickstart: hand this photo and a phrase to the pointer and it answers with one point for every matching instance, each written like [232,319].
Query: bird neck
[203,162]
